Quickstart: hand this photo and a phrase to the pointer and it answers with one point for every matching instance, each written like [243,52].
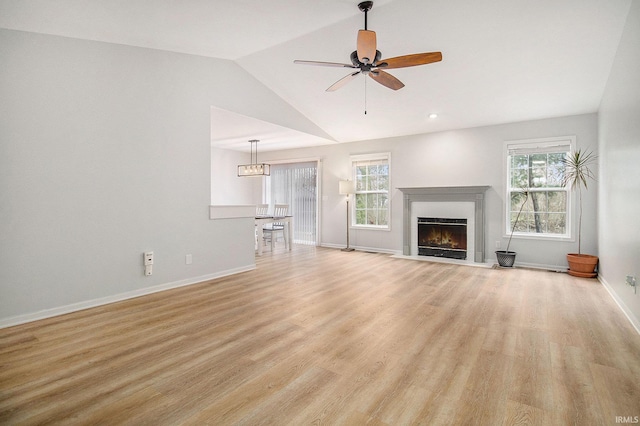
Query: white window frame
[383,156]
[541,145]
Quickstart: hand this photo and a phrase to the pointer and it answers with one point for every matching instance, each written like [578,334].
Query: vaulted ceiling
[503,60]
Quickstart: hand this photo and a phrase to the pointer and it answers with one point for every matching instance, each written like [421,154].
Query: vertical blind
[295,184]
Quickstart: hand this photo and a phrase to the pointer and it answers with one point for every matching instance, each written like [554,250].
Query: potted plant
[576,174]
[507,258]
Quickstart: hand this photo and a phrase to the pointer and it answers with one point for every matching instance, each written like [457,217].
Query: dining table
[265,219]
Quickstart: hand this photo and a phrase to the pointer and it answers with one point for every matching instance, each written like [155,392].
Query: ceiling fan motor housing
[356,62]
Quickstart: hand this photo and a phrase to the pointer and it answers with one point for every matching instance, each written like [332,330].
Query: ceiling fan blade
[386,79]
[324,64]
[410,60]
[343,81]
[366,46]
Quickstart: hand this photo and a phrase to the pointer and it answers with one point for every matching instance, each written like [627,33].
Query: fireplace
[442,237]
[450,195]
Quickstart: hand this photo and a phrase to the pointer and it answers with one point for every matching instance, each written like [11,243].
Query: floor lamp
[346,188]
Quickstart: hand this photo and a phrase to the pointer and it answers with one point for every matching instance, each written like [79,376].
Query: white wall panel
[619,183]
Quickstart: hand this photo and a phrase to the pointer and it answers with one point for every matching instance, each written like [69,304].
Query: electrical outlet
[148,258]
[498,244]
[188,259]
[631,280]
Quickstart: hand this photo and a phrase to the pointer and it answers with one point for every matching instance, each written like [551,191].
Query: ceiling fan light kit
[366,59]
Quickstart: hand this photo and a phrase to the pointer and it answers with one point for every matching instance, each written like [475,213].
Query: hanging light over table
[255,168]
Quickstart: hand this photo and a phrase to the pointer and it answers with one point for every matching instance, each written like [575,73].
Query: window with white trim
[536,166]
[371,177]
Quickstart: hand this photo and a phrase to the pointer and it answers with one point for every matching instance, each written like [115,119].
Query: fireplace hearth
[442,237]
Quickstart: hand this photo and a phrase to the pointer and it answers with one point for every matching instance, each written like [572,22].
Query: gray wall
[619,183]
[453,158]
[105,153]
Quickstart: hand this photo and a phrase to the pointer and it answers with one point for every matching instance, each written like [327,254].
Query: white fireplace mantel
[473,194]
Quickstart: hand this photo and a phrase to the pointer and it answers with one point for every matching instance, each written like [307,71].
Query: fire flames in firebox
[443,238]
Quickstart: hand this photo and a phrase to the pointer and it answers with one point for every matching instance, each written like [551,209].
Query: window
[537,167]
[371,179]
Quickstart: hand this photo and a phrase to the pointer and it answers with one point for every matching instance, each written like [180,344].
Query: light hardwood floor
[319,336]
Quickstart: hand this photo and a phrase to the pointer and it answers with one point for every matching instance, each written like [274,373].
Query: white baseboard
[635,322]
[552,268]
[74,307]
[327,245]
[488,263]
[361,248]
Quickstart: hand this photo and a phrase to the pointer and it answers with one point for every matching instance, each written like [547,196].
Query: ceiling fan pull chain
[365,96]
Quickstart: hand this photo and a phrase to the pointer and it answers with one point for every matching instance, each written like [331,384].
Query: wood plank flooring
[319,336]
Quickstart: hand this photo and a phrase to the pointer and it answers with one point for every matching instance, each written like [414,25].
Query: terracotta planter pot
[582,265]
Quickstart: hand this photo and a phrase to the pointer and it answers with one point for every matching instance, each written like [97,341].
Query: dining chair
[271,230]
[262,209]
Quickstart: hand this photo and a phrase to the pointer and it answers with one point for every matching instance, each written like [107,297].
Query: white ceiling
[503,60]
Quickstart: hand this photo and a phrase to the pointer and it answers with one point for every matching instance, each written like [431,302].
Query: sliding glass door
[296,184]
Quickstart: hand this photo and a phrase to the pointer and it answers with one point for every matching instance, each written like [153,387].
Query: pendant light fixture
[255,168]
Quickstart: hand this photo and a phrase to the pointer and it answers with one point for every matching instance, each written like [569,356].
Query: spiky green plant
[576,174]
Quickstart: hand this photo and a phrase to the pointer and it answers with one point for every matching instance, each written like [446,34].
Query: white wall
[105,153]
[453,158]
[619,184]
[226,186]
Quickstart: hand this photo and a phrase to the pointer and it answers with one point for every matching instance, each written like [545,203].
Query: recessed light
[433,115]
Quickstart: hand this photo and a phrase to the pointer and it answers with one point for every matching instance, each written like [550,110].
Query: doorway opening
[296,184]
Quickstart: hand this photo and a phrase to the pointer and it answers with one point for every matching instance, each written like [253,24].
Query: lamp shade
[346,187]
